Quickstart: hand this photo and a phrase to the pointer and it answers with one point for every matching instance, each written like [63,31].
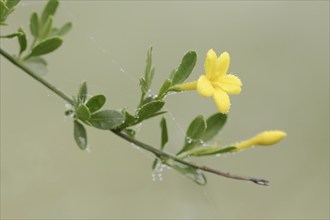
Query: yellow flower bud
[184,86]
[263,139]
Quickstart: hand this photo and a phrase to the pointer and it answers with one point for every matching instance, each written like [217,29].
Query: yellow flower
[216,82]
[263,139]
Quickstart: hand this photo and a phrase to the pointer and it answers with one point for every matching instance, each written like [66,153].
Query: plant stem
[158,153]
[36,76]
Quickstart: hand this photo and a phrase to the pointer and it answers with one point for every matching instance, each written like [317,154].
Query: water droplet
[189,140]
[82,140]
[135,146]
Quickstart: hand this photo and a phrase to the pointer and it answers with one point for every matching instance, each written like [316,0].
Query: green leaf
[195,130]
[147,100]
[22,40]
[12,3]
[37,65]
[80,135]
[192,173]
[95,103]
[211,150]
[34,25]
[214,125]
[172,74]
[11,35]
[83,113]
[54,31]
[164,134]
[154,164]
[149,109]
[164,89]
[64,29]
[129,119]
[49,10]
[82,94]
[3,11]
[46,46]
[187,65]
[145,82]
[46,29]
[6,7]
[107,119]
[157,114]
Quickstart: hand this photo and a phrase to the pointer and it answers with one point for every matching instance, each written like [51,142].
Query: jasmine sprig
[87,111]
[191,169]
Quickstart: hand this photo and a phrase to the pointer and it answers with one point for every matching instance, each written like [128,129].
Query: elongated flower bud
[263,139]
[185,86]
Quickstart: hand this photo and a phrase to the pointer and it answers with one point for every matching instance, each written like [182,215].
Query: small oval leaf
[187,65]
[107,119]
[195,130]
[164,89]
[83,113]
[37,65]
[210,150]
[46,46]
[129,119]
[22,40]
[82,93]
[149,109]
[196,175]
[95,103]
[80,135]
[49,10]
[164,133]
[64,29]
[47,28]
[34,25]
[214,125]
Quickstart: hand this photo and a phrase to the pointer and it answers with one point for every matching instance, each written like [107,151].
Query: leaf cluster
[87,110]
[46,37]
[6,8]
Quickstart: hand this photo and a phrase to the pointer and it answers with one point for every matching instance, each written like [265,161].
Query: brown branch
[161,154]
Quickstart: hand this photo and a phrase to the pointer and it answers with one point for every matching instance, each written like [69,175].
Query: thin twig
[158,153]
[36,76]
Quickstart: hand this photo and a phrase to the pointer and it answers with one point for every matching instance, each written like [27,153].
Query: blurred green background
[280,50]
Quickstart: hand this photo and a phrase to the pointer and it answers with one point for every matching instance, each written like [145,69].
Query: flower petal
[231,84]
[204,86]
[210,63]
[221,100]
[223,64]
